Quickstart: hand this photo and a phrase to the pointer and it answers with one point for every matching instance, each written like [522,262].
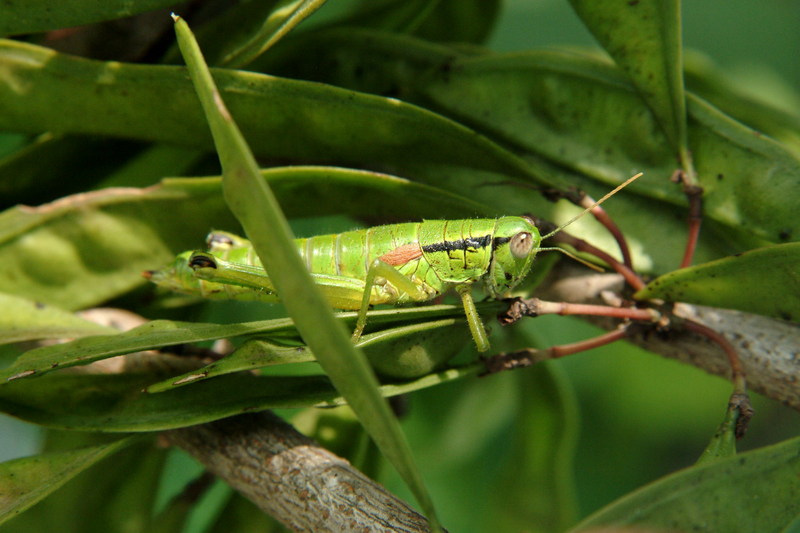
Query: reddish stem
[693,235]
[737,373]
[535,307]
[566,308]
[581,346]
[739,400]
[529,356]
[605,219]
[631,277]
[694,194]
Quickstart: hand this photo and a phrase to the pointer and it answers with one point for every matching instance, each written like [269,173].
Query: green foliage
[377,111]
[771,272]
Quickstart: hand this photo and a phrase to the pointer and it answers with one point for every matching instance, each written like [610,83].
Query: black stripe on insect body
[461,244]
[499,241]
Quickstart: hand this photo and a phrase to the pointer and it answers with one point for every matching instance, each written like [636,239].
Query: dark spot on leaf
[785,235]
[40,305]
[720,177]
[633,2]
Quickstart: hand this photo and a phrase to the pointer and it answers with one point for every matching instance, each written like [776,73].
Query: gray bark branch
[769,349]
[293,479]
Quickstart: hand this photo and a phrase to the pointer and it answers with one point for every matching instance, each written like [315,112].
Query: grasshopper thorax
[515,243]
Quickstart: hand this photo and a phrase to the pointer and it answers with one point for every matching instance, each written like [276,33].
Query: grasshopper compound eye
[199,260]
[521,244]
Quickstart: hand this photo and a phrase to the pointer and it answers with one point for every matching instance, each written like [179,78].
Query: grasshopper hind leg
[382,270]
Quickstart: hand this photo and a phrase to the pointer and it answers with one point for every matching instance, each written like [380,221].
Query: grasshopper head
[516,241]
[174,276]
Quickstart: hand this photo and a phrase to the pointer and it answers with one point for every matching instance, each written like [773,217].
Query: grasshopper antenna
[598,202]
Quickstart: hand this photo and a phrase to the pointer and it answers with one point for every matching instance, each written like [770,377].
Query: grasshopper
[392,264]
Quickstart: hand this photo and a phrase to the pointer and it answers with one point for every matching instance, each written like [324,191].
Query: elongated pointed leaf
[163,333]
[460,21]
[38,15]
[764,281]
[283,119]
[707,80]
[404,352]
[24,482]
[538,480]
[254,205]
[286,15]
[644,39]
[582,114]
[754,491]
[24,320]
[150,335]
[119,403]
[117,494]
[454,21]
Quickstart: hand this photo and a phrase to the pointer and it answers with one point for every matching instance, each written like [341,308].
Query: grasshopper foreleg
[473,319]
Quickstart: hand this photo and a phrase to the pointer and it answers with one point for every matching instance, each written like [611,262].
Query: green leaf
[119,403]
[537,479]
[584,115]
[150,335]
[26,481]
[753,491]
[644,39]
[468,21]
[460,21]
[109,497]
[94,246]
[73,163]
[283,119]
[723,443]
[25,320]
[38,15]
[161,333]
[404,352]
[286,15]
[254,205]
[777,119]
[764,281]
[581,114]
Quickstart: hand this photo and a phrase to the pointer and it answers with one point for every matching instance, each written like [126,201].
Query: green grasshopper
[392,264]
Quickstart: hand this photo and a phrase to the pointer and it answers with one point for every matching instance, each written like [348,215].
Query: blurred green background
[641,416]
